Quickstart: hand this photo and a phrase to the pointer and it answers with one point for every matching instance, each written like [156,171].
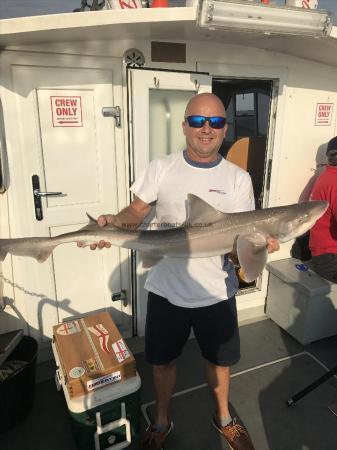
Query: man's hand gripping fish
[208,232]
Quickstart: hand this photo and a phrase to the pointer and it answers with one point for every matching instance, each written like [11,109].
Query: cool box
[300,301]
[99,381]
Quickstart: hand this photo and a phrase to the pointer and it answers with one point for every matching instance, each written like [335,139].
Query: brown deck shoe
[154,439]
[235,434]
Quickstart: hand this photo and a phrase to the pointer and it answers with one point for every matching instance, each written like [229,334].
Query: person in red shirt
[323,235]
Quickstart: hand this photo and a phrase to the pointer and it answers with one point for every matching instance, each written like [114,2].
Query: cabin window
[245,115]
[167,109]
[245,104]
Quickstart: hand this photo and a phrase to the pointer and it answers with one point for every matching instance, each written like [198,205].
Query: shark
[207,232]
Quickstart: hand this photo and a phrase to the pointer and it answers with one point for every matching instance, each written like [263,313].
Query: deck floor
[48,427]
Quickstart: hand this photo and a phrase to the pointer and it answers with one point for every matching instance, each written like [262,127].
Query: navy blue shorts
[325,265]
[168,327]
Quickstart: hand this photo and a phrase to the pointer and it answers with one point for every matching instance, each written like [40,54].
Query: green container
[108,417]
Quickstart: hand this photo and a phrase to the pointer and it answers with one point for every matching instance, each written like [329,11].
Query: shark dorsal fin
[200,211]
[90,225]
[93,224]
[92,221]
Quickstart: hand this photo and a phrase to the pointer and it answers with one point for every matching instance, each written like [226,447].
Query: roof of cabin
[153,24]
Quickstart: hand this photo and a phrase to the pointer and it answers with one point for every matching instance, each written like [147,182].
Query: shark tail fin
[252,254]
[19,247]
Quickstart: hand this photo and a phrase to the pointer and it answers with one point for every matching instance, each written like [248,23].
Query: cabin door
[65,147]
[158,101]
[253,100]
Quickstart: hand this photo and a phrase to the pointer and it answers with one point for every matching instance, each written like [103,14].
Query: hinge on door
[120,296]
[113,111]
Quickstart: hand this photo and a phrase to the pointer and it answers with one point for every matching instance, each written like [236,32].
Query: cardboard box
[92,353]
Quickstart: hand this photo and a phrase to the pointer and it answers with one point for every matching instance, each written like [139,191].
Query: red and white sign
[120,350]
[324,114]
[68,328]
[309,4]
[102,334]
[124,4]
[66,111]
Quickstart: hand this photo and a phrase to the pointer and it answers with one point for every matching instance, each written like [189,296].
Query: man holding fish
[192,283]
[196,293]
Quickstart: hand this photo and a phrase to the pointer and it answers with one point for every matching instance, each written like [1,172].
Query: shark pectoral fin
[252,254]
[149,260]
[200,212]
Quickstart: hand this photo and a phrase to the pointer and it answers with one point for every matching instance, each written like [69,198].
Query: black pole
[312,386]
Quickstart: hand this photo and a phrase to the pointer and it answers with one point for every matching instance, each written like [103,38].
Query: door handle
[38,193]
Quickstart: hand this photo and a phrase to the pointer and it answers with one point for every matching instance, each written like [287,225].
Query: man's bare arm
[130,217]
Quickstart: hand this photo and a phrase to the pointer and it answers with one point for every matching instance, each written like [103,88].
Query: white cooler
[300,301]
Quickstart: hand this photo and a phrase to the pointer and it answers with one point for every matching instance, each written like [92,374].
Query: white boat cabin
[89,98]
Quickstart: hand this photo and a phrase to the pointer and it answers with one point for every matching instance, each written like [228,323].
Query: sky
[19,8]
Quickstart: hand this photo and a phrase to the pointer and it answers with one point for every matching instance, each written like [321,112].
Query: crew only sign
[66,111]
[323,114]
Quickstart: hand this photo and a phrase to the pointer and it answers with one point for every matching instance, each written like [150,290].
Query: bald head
[203,142]
[203,101]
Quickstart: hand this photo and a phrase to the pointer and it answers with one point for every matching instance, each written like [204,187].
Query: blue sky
[18,8]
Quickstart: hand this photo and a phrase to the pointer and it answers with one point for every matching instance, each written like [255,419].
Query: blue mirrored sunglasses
[199,121]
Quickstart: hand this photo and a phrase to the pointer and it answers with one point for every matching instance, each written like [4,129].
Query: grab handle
[123,421]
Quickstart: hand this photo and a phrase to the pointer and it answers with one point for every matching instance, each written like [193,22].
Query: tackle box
[92,354]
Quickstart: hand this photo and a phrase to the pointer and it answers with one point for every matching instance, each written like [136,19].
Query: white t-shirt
[193,282]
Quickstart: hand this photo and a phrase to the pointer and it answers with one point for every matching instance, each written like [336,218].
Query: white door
[64,143]
[158,101]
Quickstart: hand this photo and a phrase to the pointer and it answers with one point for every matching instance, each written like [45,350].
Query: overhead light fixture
[241,15]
